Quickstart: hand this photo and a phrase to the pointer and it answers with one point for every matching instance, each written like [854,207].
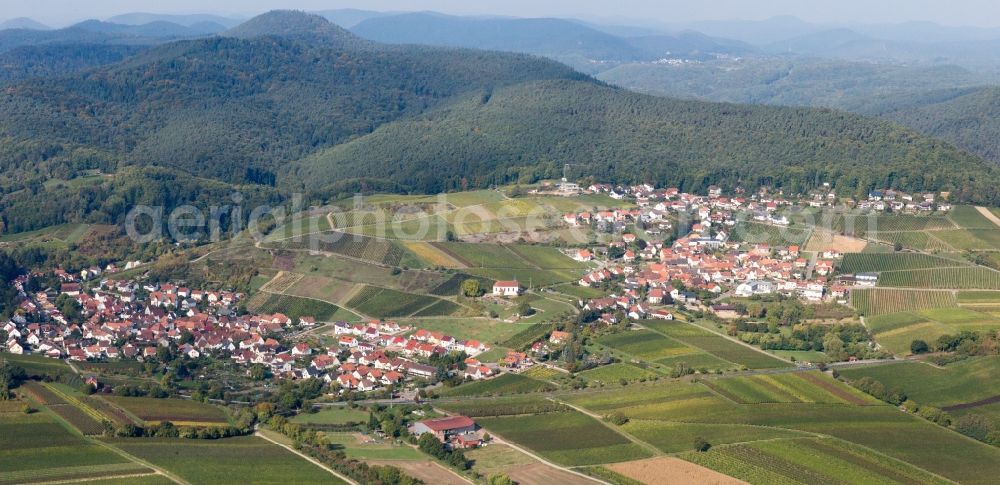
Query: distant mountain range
[98,32]
[577,44]
[22,23]
[139,18]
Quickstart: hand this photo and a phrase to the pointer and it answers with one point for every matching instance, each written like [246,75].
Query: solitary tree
[471,288]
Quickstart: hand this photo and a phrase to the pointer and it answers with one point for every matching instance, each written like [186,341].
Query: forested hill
[529,131]
[288,98]
[238,109]
[969,118]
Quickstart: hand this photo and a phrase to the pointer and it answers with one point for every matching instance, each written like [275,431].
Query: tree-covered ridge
[109,201]
[333,117]
[969,118]
[793,81]
[218,107]
[57,60]
[291,24]
[529,131]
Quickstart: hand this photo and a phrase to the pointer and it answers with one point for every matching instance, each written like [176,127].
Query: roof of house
[449,423]
[506,284]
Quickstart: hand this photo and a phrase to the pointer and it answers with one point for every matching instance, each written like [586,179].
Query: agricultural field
[958,387]
[953,278]
[864,262]
[715,344]
[529,277]
[387,303]
[808,461]
[874,425]
[282,282]
[753,232]
[470,198]
[579,203]
[970,239]
[177,411]
[662,470]
[923,241]
[614,373]
[300,225]
[546,257]
[526,336]
[823,240]
[332,415]
[869,224]
[365,447]
[502,406]
[507,383]
[295,307]
[568,438]
[803,387]
[544,373]
[482,329]
[970,218]
[61,235]
[366,248]
[36,447]
[678,437]
[213,461]
[896,331]
[36,365]
[322,288]
[453,285]
[645,345]
[483,255]
[432,255]
[873,302]
[520,467]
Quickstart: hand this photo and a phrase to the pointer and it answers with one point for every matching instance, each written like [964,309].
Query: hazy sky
[949,12]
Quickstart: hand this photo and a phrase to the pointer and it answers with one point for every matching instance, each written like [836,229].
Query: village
[648,277]
[118,323]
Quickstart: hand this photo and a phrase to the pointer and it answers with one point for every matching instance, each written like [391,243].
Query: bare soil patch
[973,404]
[666,470]
[823,240]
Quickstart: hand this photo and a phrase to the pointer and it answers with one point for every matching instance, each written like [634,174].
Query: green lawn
[358,446]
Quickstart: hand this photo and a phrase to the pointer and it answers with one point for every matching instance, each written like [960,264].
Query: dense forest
[38,61]
[289,101]
[526,132]
[969,118]
[793,81]
[218,107]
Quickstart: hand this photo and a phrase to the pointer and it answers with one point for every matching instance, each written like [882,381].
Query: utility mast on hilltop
[565,187]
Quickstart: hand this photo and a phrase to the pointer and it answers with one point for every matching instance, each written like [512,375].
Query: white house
[506,288]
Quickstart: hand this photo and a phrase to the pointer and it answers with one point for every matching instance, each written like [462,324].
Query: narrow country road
[989,215]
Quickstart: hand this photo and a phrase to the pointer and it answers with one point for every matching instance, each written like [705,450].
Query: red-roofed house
[506,288]
[444,428]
